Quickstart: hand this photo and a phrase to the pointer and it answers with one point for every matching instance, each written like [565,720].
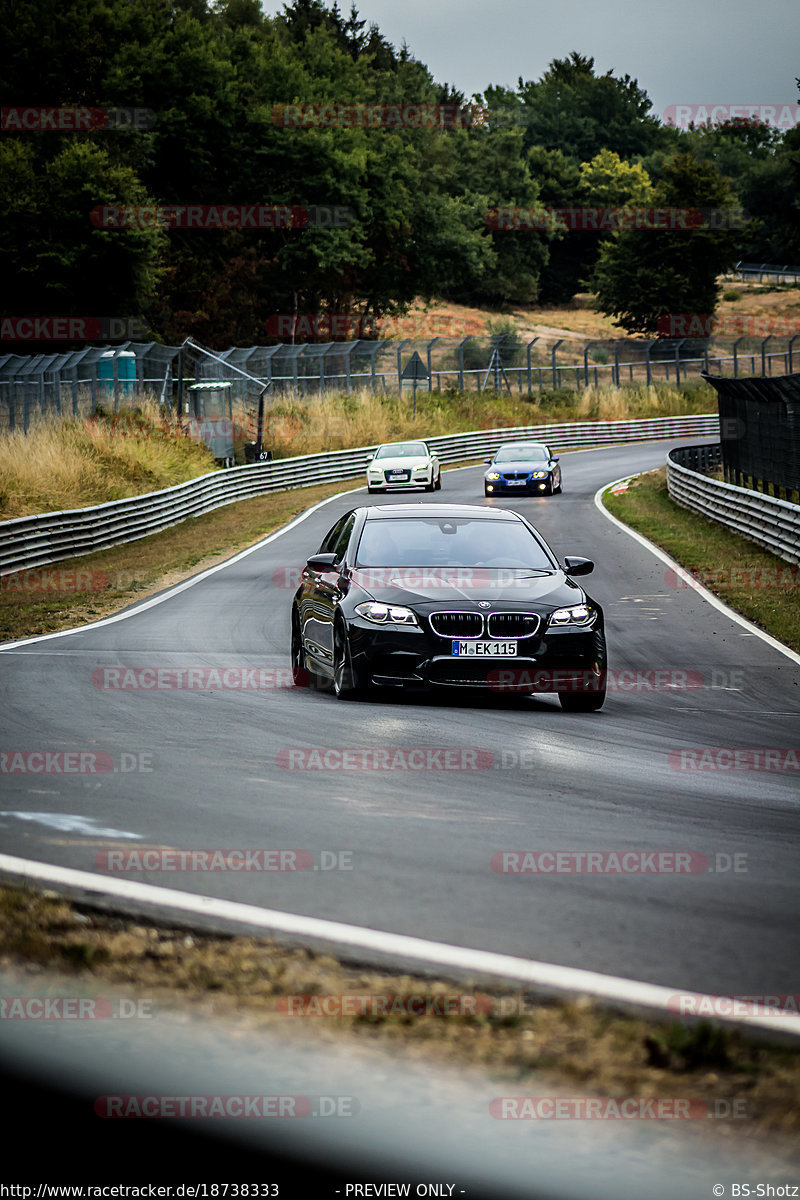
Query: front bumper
[416,659]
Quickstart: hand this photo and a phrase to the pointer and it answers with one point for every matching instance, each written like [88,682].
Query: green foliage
[214,73]
[643,274]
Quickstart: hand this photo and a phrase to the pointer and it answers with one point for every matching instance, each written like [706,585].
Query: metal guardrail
[772,271]
[37,541]
[771,523]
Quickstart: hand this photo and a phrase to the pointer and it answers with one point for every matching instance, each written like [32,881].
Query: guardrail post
[616,365]
[791,343]
[553,360]
[764,356]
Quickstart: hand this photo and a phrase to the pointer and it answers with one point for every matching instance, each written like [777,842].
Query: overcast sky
[680,51]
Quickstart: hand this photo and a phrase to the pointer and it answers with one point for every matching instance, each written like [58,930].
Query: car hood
[383,464]
[432,587]
[522,464]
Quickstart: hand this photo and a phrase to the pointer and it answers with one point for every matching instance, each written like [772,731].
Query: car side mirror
[321,562]
[578,566]
[370,458]
[554,458]
[487,461]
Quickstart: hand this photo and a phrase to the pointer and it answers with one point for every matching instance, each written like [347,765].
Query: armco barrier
[772,523]
[37,541]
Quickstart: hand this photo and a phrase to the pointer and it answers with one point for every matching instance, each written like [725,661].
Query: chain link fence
[112,378]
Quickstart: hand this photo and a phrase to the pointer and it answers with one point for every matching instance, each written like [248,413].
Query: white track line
[478,962]
[683,574]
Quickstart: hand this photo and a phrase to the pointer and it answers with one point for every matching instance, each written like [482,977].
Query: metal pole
[431,344]
[400,364]
[791,343]
[530,384]
[678,360]
[553,360]
[179,401]
[764,354]
[735,357]
[586,362]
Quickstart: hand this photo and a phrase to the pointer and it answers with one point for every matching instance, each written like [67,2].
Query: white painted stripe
[482,962]
[689,579]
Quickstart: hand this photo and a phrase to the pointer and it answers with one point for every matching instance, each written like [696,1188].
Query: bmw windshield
[431,542]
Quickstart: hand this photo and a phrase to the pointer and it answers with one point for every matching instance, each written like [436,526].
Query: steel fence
[772,523]
[46,538]
[77,383]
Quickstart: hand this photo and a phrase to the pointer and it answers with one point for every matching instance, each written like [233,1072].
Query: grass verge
[516,1035]
[755,583]
[80,590]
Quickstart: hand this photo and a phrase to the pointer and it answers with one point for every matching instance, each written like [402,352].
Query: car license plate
[516,482]
[398,475]
[485,649]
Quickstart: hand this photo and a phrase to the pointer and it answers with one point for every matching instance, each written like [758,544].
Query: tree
[642,275]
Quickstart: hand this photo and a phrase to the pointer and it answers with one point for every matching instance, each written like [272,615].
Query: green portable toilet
[126,375]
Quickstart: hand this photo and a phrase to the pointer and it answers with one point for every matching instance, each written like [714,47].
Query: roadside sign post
[415,369]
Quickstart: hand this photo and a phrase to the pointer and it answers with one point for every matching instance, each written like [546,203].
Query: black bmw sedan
[443,595]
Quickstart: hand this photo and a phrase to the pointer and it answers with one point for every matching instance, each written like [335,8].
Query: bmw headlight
[493,475]
[385,614]
[579,614]
[539,475]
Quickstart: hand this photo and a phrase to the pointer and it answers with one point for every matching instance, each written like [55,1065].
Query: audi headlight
[579,614]
[493,475]
[385,614]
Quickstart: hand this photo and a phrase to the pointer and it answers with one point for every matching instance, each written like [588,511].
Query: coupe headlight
[493,475]
[385,614]
[579,614]
[539,475]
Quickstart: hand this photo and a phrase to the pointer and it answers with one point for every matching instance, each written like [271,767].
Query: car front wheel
[345,683]
[591,694]
[301,676]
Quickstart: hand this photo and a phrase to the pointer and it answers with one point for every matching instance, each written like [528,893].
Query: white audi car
[403,465]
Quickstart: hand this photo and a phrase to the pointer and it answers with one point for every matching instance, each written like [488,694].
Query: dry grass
[521,1037]
[309,426]
[72,464]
